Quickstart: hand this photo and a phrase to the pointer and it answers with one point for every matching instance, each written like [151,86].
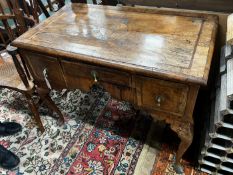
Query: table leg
[185,133]
[184,127]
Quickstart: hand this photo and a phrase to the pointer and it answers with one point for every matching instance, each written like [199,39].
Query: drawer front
[83,76]
[40,64]
[162,95]
[89,72]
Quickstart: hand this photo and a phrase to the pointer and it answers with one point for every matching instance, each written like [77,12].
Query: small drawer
[91,74]
[162,95]
[40,64]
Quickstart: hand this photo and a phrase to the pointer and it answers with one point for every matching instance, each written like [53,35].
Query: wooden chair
[16,77]
[20,17]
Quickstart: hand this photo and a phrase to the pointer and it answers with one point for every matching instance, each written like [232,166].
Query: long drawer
[83,76]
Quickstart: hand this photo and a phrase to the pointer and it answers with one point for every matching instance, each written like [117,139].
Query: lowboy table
[155,59]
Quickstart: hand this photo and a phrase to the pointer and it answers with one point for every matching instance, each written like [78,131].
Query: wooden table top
[144,41]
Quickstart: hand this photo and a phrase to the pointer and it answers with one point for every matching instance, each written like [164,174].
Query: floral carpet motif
[93,141]
[89,143]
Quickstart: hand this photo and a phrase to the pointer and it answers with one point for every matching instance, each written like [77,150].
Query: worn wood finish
[230,29]
[153,44]
[210,5]
[222,22]
[137,54]
[162,95]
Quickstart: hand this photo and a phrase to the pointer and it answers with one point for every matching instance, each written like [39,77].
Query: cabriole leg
[185,133]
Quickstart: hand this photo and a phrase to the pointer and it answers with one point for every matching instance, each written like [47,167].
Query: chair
[18,17]
[16,79]
[15,75]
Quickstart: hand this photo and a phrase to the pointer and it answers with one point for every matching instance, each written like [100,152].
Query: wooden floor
[4,57]
[1,60]
[8,73]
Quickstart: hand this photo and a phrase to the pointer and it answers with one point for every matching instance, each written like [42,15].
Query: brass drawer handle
[159,99]
[45,73]
[94,75]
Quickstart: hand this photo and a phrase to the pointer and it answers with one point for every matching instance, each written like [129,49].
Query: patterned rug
[90,142]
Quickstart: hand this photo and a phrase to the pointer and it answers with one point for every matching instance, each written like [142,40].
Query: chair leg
[44,95]
[53,106]
[36,115]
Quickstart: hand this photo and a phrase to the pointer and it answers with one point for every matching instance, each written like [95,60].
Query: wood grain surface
[173,46]
[210,5]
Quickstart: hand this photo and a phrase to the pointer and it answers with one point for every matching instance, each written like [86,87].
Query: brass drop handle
[159,99]
[94,75]
[45,73]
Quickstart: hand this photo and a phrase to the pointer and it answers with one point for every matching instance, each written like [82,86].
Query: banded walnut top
[165,44]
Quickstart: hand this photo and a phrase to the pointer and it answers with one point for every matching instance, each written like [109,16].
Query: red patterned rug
[91,142]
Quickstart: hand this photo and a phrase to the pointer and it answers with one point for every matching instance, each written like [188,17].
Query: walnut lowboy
[155,59]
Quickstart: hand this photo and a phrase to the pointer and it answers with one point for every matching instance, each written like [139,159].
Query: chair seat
[9,77]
